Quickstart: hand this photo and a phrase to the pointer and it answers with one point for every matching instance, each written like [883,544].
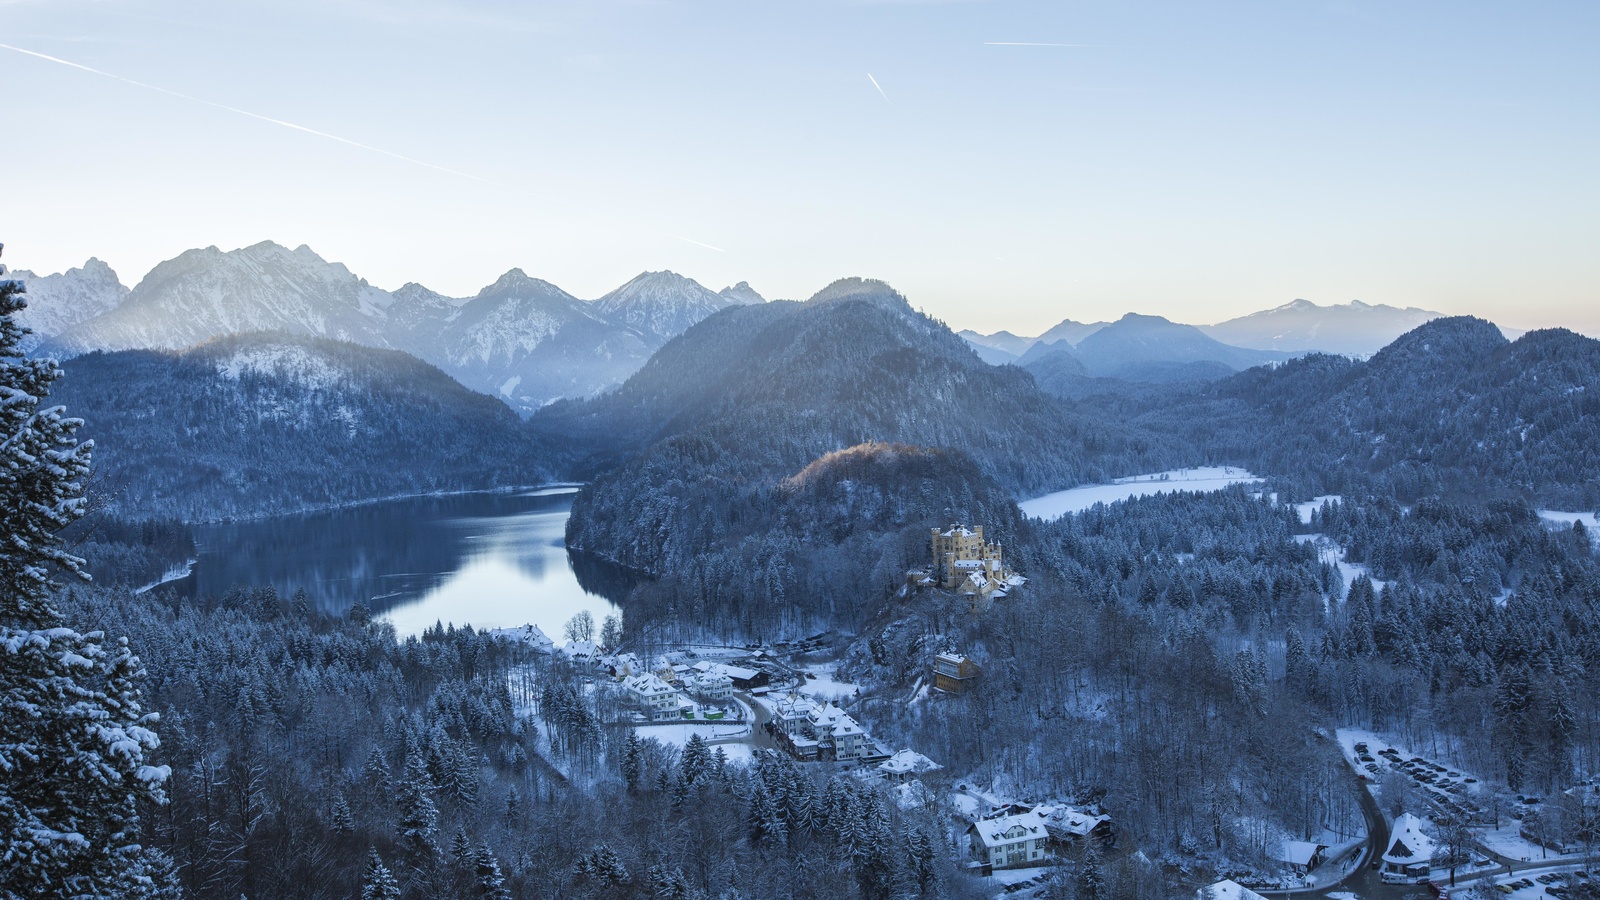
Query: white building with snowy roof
[905,764]
[814,730]
[659,700]
[1227,890]
[1010,842]
[531,635]
[1303,856]
[1068,826]
[1410,853]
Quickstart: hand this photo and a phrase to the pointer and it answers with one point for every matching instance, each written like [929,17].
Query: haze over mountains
[530,343]
[521,339]
[1350,329]
[57,302]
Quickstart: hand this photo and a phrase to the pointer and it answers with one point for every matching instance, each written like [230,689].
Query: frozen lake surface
[1078,499]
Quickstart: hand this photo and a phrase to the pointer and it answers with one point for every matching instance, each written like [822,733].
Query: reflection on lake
[491,560]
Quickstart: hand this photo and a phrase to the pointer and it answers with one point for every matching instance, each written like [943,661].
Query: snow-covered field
[823,686]
[1305,509]
[678,735]
[1330,552]
[1557,517]
[1078,499]
[1507,841]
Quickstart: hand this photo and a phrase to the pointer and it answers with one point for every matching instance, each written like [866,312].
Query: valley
[1181,578]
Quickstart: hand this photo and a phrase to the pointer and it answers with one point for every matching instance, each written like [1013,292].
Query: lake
[489,560]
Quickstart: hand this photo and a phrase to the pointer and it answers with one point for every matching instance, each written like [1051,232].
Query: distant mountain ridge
[1349,329]
[521,339]
[1133,348]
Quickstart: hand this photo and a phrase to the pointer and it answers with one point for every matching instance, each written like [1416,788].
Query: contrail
[878,86]
[698,243]
[301,128]
[246,112]
[1029,44]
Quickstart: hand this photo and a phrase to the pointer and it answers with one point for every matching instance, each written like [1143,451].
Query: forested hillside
[780,384]
[260,424]
[731,413]
[1450,407]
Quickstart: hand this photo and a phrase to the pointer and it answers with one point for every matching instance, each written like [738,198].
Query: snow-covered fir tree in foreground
[73,736]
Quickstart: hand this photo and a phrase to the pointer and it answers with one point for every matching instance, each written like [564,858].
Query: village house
[1410,852]
[820,731]
[1227,890]
[954,673]
[1010,842]
[531,635]
[739,677]
[659,700]
[1303,856]
[582,651]
[906,763]
[709,685]
[1068,826]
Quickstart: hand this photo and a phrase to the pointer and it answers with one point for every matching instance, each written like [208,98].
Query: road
[1364,881]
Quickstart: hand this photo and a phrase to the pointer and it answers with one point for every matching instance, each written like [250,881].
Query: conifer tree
[419,817]
[632,762]
[490,882]
[377,882]
[73,734]
[339,818]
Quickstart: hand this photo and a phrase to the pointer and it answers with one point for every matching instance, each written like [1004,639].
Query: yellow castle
[963,561]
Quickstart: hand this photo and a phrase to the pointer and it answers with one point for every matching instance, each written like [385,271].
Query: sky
[1006,165]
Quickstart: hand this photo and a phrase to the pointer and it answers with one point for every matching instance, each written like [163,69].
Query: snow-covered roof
[908,762]
[845,726]
[581,648]
[648,685]
[1300,853]
[1071,822]
[1229,890]
[954,659]
[528,634]
[1004,830]
[1408,844]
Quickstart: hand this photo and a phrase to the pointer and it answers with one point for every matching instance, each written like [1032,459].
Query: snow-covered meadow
[1078,499]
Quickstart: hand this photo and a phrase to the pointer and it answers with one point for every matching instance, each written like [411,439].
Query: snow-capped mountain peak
[204,294]
[741,293]
[58,302]
[663,304]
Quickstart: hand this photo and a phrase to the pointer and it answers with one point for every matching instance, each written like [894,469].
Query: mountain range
[530,343]
[722,415]
[1351,329]
[521,339]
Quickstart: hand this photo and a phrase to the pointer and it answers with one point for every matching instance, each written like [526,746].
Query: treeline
[124,553]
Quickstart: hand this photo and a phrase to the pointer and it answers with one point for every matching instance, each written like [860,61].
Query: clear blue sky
[1198,160]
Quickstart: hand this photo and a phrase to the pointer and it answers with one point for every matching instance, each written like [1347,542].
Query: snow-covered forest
[1181,663]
